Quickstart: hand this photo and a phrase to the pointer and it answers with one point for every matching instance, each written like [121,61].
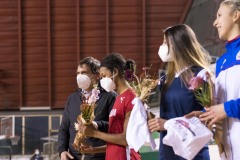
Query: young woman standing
[185,57]
[227,79]
[112,72]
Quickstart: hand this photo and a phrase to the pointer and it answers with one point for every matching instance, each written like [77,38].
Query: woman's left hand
[193,114]
[156,124]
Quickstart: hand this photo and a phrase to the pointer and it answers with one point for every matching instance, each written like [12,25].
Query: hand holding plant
[142,85]
[203,91]
[86,117]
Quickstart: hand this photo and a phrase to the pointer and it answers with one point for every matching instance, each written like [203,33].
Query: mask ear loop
[114,75]
[112,78]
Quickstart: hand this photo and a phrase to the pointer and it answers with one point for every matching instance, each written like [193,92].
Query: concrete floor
[213,149]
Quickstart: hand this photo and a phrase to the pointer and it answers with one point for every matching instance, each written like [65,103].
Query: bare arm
[93,150]
[156,124]
[119,139]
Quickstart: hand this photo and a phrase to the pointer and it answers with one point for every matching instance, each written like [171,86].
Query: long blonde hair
[187,51]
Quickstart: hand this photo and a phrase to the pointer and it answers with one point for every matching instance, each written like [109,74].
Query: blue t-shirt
[178,101]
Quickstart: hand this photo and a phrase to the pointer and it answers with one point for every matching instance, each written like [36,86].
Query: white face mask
[164,54]
[108,84]
[83,81]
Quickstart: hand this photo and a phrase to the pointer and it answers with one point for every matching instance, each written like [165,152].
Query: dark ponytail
[117,61]
[130,70]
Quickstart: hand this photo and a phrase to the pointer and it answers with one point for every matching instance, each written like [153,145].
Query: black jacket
[67,131]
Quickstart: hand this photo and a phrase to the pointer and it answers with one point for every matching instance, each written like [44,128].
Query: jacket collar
[234,43]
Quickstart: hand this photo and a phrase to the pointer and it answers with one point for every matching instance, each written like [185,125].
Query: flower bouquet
[86,117]
[137,128]
[203,91]
[142,85]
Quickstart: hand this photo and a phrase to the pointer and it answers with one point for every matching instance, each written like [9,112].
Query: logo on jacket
[238,56]
[122,98]
[113,112]
[223,63]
